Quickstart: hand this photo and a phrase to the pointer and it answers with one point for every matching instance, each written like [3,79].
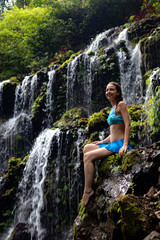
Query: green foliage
[109,164]
[34,30]
[108,64]
[138,121]
[154,111]
[20,40]
[148,8]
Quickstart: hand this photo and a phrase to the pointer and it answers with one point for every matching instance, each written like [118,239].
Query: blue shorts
[114,146]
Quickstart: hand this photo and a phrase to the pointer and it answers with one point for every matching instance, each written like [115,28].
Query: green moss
[19,138]
[154,111]
[138,121]
[8,196]
[122,47]
[108,165]
[69,60]
[15,80]
[15,168]
[93,137]
[133,220]
[100,52]
[39,102]
[75,117]
[91,53]
[97,121]
[129,159]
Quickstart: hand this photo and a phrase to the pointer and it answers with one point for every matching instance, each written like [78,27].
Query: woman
[119,123]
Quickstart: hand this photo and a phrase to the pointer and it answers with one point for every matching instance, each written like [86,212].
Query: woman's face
[111,92]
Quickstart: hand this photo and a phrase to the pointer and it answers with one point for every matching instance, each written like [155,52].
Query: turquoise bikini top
[114,118]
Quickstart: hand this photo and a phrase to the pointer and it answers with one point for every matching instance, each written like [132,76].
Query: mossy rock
[15,169]
[138,122]
[122,47]
[129,159]
[97,121]
[93,137]
[64,64]
[91,53]
[74,118]
[8,193]
[107,165]
[135,112]
[15,80]
[134,222]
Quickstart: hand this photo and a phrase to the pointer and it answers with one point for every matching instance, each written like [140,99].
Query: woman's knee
[86,157]
[89,147]
[86,148]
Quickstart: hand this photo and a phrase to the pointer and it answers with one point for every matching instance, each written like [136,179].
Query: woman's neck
[113,104]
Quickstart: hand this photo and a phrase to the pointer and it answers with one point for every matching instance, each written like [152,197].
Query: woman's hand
[122,150]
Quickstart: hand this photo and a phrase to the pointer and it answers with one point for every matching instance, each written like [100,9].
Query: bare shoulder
[122,105]
[122,108]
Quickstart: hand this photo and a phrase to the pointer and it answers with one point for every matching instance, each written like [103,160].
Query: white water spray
[31,186]
[130,72]
[50,98]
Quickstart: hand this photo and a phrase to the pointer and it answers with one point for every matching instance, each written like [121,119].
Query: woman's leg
[90,147]
[89,158]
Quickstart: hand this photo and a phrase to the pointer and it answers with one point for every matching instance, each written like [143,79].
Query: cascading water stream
[80,140]
[81,71]
[31,186]
[153,81]
[25,95]
[50,99]
[79,81]
[16,133]
[15,137]
[130,73]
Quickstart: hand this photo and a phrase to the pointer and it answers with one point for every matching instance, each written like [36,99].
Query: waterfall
[152,81]
[16,133]
[80,140]
[130,73]
[15,138]
[81,70]
[50,99]
[31,187]
[80,74]
[25,94]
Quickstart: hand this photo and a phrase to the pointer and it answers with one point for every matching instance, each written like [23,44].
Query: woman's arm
[124,112]
[103,141]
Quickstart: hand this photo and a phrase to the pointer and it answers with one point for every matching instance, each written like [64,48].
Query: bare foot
[86,197]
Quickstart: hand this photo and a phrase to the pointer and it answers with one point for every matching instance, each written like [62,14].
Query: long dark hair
[119,90]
